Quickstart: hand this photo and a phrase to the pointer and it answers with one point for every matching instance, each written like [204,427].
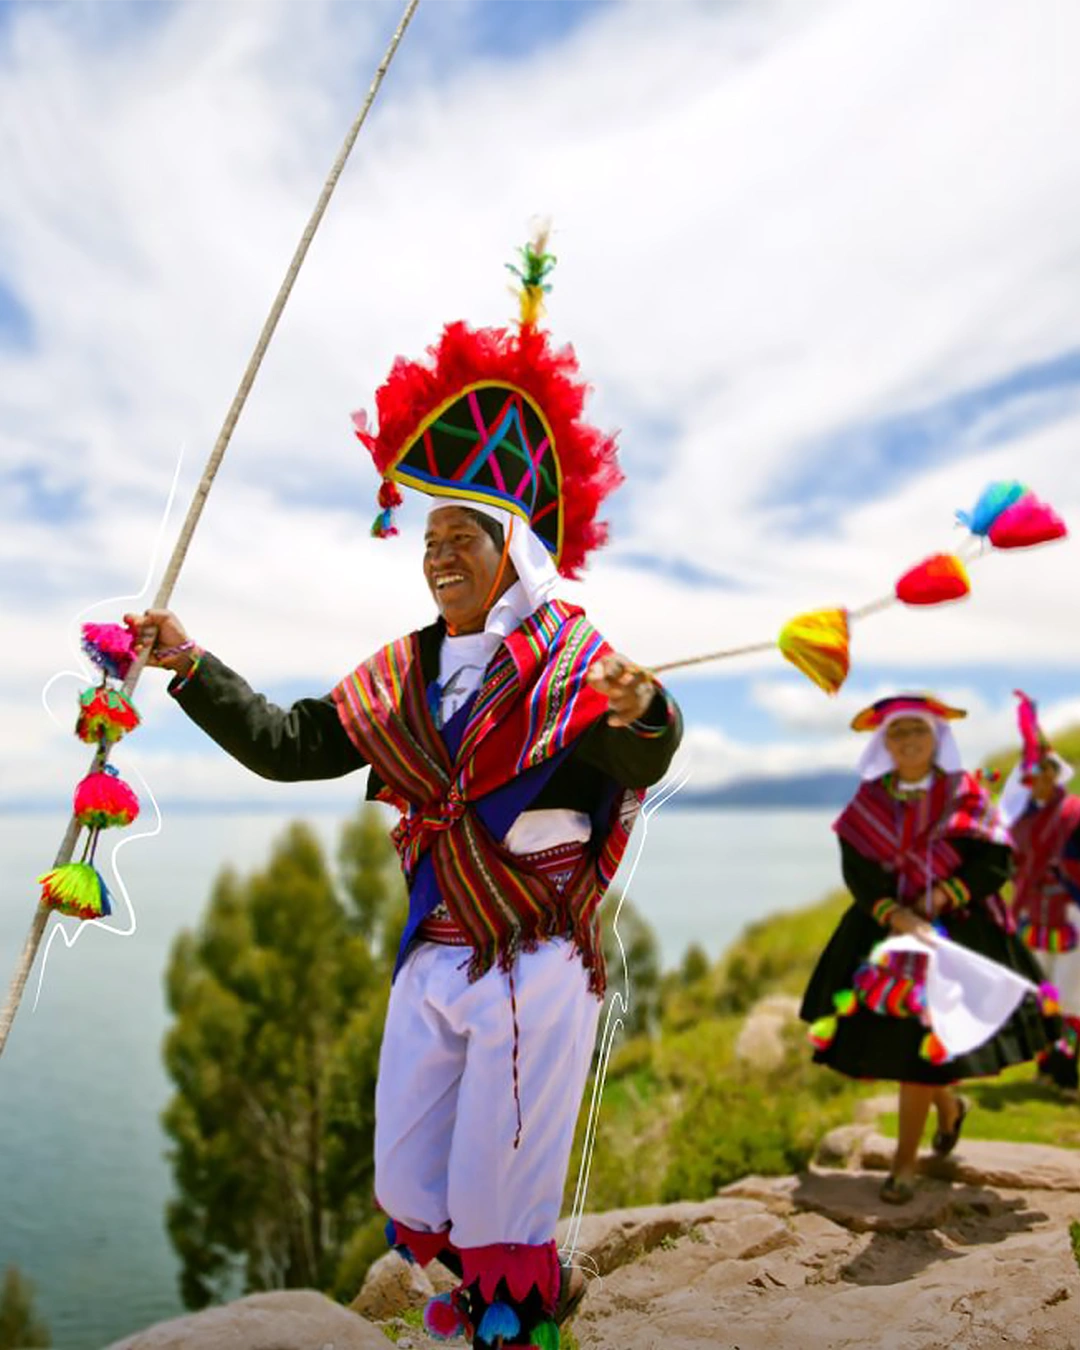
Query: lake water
[83,1180]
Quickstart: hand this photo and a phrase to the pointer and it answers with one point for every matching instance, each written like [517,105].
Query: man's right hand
[162,628]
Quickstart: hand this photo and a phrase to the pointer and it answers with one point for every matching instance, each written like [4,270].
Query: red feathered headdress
[495,415]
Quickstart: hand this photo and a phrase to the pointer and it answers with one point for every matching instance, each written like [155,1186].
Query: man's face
[461,564]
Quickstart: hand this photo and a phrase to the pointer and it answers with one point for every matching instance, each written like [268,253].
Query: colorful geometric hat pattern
[494,415]
[874,716]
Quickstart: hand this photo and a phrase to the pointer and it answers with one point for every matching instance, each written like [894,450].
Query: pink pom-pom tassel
[444,1320]
[110,646]
[104,799]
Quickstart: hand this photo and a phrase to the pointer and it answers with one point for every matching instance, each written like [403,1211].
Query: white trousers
[445,1118]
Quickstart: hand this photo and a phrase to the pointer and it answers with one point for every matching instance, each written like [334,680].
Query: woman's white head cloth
[875,761]
[1016,795]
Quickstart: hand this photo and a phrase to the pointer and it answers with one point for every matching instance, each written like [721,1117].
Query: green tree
[20,1326]
[371,878]
[278,1004]
[642,954]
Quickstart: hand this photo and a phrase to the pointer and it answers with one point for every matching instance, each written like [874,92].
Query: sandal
[944,1141]
[895,1192]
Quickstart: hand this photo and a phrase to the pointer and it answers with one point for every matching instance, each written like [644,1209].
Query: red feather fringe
[524,358]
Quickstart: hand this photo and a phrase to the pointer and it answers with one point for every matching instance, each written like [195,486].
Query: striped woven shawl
[533,703]
[911,838]
[1041,890]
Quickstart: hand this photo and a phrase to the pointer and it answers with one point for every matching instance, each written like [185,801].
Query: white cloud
[774,222]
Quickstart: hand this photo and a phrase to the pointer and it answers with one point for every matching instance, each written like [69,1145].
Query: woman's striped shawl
[533,703]
[1045,880]
[911,838]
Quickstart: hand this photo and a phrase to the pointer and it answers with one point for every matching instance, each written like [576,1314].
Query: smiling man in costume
[516,746]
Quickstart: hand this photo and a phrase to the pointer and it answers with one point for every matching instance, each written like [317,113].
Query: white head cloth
[464,659]
[1017,794]
[969,998]
[875,761]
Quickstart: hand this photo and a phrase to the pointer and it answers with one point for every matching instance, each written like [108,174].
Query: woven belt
[557,864]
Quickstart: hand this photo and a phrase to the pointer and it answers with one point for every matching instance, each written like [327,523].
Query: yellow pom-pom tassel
[822,1033]
[817,644]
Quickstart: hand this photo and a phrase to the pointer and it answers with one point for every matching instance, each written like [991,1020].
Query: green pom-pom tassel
[823,1032]
[545,1336]
[76,889]
[845,1002]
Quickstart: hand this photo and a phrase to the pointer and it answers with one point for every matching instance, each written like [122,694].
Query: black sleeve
[638,755]
[866,879]
[304,742]
[984,866]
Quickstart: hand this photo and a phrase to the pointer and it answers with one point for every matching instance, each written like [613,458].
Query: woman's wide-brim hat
[494,415]
[898,705]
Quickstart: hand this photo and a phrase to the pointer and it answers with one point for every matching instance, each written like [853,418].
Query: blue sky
[820,316]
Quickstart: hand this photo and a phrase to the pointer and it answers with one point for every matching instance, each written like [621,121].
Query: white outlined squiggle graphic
[82,676]
[618,1007]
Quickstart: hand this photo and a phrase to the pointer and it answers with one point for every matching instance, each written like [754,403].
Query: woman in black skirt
[921,846]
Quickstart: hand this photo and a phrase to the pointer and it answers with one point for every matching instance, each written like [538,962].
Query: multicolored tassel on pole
[105,714]
[77,889]
[110,646]
[817,644]
[103,800]
[934,581]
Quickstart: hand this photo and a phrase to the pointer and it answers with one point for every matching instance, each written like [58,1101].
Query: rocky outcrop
[293,1319]
[981,1257]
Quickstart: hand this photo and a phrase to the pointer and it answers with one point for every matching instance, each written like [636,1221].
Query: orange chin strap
[490,598]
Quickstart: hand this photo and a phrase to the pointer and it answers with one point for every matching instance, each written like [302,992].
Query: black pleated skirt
[875,1046]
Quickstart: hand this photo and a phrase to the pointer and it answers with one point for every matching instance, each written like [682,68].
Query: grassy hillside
[682,1115]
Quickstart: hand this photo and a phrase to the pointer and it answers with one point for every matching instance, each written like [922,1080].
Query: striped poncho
[533,704]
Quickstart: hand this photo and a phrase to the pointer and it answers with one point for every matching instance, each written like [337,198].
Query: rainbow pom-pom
[76,889]
[104,799]
[383,527]
[1049,1000]
[932,1049]
[110,646]
[104,715]
[443,1319]
[822,1033]
[500,1320]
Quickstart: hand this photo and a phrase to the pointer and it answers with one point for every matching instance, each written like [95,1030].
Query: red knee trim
[424,1247]
[522,1266]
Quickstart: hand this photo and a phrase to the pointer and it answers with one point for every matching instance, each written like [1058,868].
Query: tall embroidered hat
[494,416]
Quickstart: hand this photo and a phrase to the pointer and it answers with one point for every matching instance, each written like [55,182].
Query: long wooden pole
[198,501]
